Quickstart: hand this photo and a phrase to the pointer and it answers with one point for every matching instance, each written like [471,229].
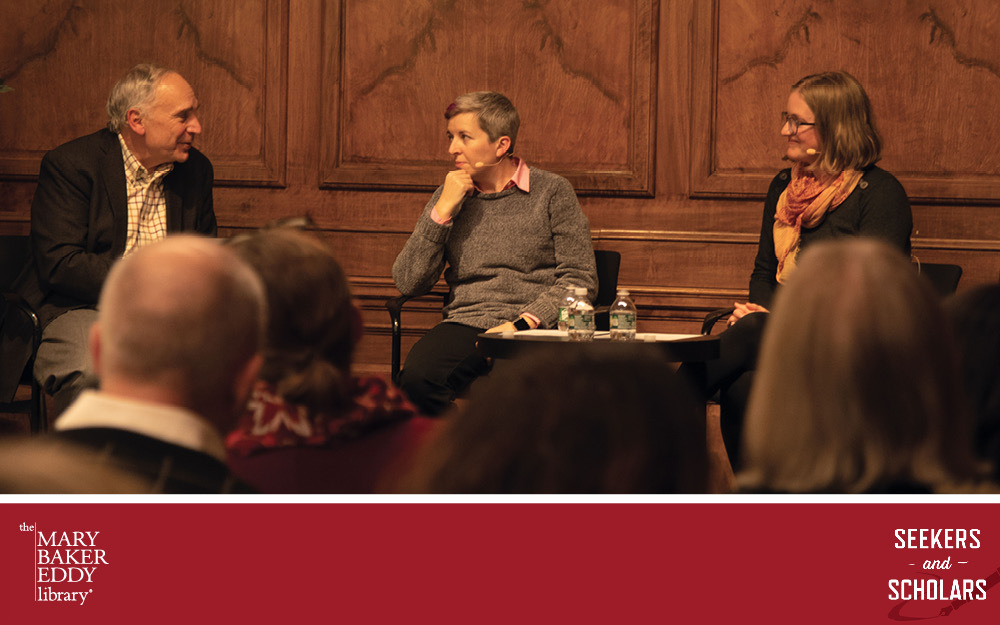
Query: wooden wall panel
[932,73]
[333,108]
[582,76]
[233,53]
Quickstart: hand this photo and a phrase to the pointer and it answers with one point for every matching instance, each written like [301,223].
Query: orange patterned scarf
[804,203]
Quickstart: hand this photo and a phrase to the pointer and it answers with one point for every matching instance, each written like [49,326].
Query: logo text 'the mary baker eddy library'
[65,564]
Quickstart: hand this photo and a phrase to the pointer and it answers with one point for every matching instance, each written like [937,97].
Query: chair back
[14,253]
[608,263]
[943,277]
[20,336]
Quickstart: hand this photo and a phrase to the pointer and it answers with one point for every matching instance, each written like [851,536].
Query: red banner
[499,562]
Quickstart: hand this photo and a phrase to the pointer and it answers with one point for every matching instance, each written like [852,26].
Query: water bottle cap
[622,292]
[580,290]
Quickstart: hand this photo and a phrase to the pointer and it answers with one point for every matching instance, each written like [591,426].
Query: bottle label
[623,321]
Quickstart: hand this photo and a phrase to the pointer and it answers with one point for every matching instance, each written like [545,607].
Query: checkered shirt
[147,205]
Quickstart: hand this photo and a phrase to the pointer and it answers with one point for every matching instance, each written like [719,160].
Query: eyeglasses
[793,122]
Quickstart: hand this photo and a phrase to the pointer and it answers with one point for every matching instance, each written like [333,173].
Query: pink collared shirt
[521,177]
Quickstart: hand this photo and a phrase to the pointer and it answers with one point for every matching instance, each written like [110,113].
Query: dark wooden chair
[943,277]
[22,334]
[608,263]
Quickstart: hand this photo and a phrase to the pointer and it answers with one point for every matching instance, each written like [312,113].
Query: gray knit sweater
[507,253]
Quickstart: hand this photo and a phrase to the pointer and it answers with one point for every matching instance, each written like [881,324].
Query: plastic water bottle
[623,316]
[581,317]
[564,306]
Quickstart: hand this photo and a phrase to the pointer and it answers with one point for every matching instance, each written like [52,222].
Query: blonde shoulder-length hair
[844,121]
[856,387]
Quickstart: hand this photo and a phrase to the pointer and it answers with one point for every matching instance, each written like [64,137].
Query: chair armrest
[16,300]
[714,316]
[395,308]
[23,334]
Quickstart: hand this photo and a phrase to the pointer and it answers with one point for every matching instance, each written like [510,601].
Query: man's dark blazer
[79,221]
[169,468]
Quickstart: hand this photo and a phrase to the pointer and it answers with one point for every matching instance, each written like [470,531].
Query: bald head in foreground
[176,343]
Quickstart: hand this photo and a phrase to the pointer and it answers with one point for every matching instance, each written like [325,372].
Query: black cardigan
[877,207]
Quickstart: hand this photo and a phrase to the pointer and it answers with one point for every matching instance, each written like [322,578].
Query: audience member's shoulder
[169,467]
[50,465]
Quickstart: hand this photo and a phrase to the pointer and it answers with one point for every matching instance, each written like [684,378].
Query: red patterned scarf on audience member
[804,204]
[269,421]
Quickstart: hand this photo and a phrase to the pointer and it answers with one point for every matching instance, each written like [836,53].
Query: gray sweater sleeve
[574,253]
[418,266]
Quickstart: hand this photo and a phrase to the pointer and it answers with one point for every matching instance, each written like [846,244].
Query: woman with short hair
[510,240]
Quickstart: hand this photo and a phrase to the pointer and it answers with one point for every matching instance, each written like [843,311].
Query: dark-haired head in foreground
[609,419]
[975,317]
[310,426]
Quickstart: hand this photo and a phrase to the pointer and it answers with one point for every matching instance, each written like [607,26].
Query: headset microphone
[812,152]
[481,164]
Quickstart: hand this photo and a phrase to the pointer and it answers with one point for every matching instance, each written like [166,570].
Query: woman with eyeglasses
[833,189]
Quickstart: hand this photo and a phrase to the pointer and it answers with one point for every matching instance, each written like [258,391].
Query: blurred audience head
[181,321]
[856,387]
[609,419]
[975,317]
[313,326]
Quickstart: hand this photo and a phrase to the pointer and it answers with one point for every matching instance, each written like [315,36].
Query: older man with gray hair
[99,198]
[176,343]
